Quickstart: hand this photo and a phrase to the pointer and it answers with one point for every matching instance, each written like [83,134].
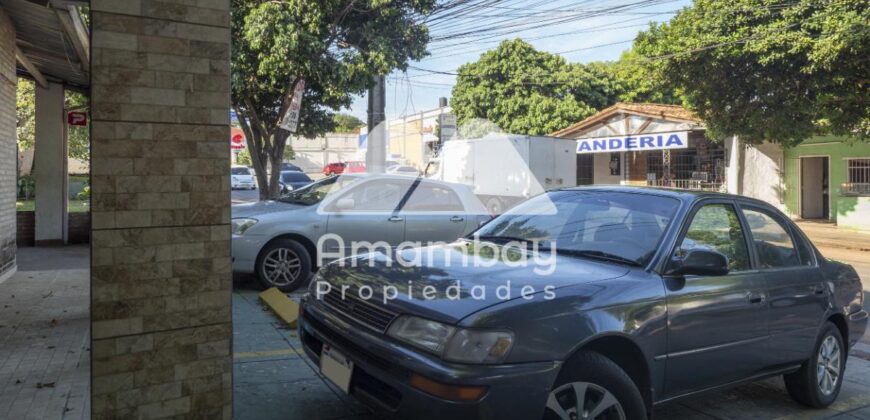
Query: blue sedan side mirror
[699,262]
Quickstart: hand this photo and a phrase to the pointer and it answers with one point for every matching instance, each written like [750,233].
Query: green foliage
[244,158]
[25,102]
[289,154]
[767,70]
[337,46]
[78,138]
[346,123]
[637,81]
[526,91]
[25,113]
[26,186]
[84,194]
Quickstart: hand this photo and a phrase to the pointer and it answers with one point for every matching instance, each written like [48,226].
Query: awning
[52,41]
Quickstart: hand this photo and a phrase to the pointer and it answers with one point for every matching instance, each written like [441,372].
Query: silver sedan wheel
[282,266]
[828,365]
[584,400]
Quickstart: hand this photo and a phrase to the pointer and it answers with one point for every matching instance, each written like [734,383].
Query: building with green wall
[828,178]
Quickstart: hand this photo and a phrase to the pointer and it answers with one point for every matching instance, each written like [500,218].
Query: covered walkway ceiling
[52,43]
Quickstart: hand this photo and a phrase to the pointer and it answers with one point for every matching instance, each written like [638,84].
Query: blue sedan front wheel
[591,386]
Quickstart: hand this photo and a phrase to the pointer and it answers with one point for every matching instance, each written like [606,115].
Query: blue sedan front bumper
[382,369]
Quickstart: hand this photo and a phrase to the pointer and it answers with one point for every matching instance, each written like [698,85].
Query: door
[585,169]
[798,299]
[433,213]
[366,214]
[716,332]
[814,187]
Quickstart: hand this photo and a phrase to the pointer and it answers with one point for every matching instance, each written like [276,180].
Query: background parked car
[333,168]
[287,166]
[242,177]
[293,180]
[354,167]
[403,170]
[657,295]
[277,240]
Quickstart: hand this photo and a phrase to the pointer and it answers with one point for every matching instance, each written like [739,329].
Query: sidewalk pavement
[44,348]
[825,234]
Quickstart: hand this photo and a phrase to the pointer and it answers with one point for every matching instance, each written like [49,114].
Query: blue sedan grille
[368,314]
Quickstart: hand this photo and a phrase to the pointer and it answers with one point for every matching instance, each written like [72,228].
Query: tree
[244,158]
[526,91]
[345,123]
[25,112]
[336,46]
[767,70]
[637,81]
[78,138]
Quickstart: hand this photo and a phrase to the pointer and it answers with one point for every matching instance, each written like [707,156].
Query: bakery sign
[634,143]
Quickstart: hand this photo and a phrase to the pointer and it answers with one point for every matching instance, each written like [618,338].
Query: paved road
[244,196]
[274,380]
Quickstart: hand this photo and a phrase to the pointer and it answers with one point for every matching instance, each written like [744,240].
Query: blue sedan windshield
[617,226]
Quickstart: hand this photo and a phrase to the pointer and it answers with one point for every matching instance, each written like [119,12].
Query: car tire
[805,386]
[285,264]
[599,380]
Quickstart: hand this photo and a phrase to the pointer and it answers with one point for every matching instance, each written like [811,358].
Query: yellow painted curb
[285,308]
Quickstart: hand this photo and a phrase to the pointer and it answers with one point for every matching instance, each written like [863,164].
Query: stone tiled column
[8,157]
[160,282]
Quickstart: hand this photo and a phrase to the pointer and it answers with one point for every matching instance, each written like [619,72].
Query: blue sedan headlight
[451,343]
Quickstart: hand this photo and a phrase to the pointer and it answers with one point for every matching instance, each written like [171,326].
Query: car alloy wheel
[828,365]
[583,400]
[282,266]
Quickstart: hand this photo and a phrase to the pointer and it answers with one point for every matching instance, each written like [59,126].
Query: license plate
[336,367]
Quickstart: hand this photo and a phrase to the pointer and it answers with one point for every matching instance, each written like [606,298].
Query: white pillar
[49,166]
[734,169]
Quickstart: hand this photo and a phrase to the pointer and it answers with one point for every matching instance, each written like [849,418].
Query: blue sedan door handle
[395,219]
[457,219]
[819,289]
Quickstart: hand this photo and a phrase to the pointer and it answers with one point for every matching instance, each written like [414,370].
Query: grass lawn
[74,206]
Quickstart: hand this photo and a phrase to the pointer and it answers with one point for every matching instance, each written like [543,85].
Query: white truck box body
[510,166]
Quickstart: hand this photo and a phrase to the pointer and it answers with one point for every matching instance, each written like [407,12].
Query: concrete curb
[283,307]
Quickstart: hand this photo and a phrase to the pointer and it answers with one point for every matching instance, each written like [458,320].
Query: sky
[604,38]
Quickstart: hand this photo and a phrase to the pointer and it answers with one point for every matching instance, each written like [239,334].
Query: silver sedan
[283,241]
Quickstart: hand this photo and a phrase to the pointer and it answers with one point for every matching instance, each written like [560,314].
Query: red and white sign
[237,139]
[291,117]
[77,118]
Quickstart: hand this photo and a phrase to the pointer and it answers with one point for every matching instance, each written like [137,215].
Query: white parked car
[276,240]
[403,170]
[242,177]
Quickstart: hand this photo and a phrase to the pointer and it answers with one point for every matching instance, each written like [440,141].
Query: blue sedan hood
[445,267]
[261,207]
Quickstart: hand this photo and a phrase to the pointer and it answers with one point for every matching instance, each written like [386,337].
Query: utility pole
[376,145]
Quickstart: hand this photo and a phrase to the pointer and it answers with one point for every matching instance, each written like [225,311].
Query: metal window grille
[857,177]
[699,168]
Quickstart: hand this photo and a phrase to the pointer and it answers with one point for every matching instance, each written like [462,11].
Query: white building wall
[762,173]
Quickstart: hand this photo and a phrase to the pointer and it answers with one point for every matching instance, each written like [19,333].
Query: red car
[334,168]
[355,167]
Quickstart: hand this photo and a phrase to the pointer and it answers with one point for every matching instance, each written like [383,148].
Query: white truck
[504,169]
